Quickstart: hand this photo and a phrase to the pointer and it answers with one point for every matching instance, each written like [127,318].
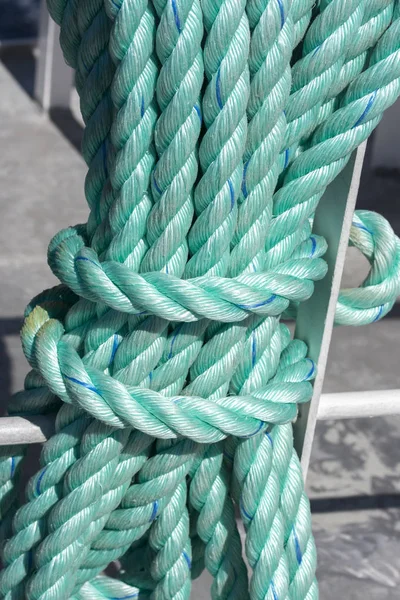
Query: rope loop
[203,420]
[218,298]
[374,237]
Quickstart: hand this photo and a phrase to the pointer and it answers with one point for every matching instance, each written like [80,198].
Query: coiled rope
[212,131]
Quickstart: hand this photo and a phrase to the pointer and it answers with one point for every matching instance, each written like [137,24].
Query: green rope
[226,50]
[372,235]
[85,32]
[324,50]
[258,494]
[294,505]
[301,14]
[376,19]
[193,249]
[332,144]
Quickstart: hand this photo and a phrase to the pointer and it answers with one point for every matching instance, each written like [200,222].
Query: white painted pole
[353,405]
[26,430]
[53,78]
[316,316]
[343,405]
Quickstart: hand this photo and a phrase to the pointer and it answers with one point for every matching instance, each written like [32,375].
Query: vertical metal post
[53,79]
[316,316]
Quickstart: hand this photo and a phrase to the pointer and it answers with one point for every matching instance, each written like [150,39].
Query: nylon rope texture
[212,129]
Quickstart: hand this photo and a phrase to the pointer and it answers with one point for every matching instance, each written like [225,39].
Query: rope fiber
[212,130]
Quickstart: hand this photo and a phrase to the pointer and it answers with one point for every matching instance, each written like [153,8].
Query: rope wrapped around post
[212,129]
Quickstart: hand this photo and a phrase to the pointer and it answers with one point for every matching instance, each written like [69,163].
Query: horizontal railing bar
[343,405]
[26,430]
[353,405]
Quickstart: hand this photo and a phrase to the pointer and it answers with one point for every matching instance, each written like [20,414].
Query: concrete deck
[354,480]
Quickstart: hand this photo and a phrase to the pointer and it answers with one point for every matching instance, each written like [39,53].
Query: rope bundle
[212,131]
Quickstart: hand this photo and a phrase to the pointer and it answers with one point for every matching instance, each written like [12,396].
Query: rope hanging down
[212,129]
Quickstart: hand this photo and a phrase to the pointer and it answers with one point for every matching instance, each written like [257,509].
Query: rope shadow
[20,62]
[8,326]
[355,503]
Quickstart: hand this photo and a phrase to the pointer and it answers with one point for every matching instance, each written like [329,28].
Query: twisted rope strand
[221,371]
[35,399]
[176,105]
[252,469]
[217,298]
[105,587]
[176,135]
[128,174]
[169,536]
[333,142]
[301,15]
[175,332]
[206,421]
[143,502]
[376,19]
[269,63]
[209,489]
[121,233]
[294,504]
[72,521]
[325,46]
[179,36]
[85,31]
[120,491]
[226,51]
[216,526]
[43,492]
[131,460]
[372,235]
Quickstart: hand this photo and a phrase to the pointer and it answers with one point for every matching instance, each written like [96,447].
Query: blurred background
[354,477]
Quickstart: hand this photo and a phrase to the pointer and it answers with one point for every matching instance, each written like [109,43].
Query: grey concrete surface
[354,480]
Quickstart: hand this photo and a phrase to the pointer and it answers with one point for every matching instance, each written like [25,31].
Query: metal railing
[53,85]
[314,325]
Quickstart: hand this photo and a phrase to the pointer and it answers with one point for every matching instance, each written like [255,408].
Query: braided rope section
[212,129]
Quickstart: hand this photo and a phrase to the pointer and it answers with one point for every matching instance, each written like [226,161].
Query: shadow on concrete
[10,326]
[21,64]
[350,503]
[379,189]
[395,312]
[66,123]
